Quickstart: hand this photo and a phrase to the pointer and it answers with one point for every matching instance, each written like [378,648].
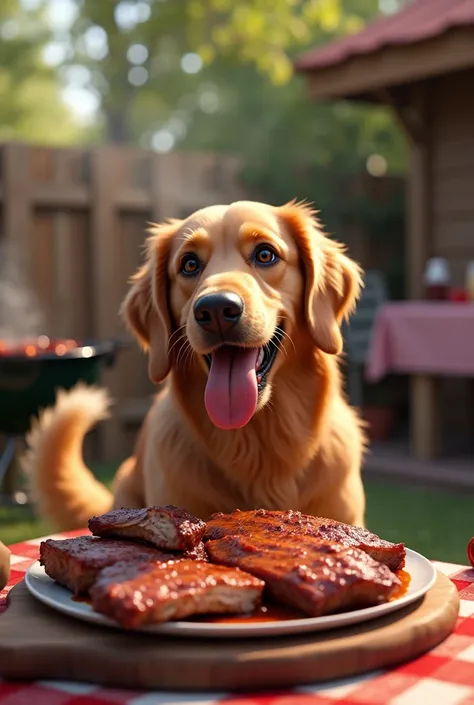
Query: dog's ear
[333,280]
[145,308]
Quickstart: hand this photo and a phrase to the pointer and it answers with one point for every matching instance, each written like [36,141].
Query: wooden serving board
[37,642]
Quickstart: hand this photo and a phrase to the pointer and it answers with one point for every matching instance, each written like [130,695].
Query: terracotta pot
[380,421]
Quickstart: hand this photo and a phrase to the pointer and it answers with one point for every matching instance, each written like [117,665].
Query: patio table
[444,676]
[427,340]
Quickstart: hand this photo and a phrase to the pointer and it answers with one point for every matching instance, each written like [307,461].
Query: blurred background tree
[215,74]
[200,74]
[211,75]
[30,98]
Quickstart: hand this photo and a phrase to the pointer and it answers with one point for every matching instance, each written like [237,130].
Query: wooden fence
[78,219]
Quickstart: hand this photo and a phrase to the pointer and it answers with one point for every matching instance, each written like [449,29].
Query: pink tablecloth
[422,337]
[445,676]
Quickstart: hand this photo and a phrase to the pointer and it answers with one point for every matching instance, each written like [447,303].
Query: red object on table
[424,337]
[458,295]
[470,552]
[445,676]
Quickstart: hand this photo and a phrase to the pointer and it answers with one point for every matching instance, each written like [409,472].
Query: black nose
[216,313]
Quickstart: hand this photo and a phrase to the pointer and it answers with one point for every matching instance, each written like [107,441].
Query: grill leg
[9,490]
[7,458]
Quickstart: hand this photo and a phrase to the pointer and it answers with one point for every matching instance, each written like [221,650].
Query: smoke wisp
[20,311]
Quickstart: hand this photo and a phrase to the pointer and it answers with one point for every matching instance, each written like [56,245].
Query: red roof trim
[421,20]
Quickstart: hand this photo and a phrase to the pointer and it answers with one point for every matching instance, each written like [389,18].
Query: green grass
[20,523]
[436,523]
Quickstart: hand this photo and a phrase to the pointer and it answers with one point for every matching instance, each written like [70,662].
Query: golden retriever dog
[239,309]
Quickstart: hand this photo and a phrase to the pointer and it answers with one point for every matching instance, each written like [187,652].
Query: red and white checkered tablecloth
[445,676]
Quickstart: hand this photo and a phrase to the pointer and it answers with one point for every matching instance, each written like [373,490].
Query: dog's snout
[218,312]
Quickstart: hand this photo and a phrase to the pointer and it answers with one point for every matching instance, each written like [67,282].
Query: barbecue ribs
[312,575]
[151,565]
[276,525]
[167,528]
[138,594]
[75,563]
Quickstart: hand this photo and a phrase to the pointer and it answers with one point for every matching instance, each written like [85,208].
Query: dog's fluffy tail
[66,492]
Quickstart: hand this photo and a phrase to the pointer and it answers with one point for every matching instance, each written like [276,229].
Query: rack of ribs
[276,525]
[76,562]
[134,594]
[315,576]
[168,528]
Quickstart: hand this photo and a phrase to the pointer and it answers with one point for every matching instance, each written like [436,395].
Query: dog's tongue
[231,391]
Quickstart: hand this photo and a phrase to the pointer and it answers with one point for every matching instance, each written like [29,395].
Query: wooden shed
[420,62]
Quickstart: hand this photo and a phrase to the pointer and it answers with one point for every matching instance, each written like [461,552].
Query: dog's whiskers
[175,332]
[183,353]
[285,335]
[188,355]
[266,346]
[279,346]
[183,342]
[179,339]
[271,405]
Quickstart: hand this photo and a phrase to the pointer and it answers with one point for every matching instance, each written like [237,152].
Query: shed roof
[418,21]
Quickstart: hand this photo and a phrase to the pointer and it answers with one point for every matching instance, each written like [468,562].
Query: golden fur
[4,565]
[301,450]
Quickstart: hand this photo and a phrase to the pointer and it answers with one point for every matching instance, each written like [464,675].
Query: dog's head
[235,288]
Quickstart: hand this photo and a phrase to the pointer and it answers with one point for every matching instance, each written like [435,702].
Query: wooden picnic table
[444,676]
[427,340]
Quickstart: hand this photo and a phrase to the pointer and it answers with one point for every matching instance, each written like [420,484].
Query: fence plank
[16,203]
[42,250]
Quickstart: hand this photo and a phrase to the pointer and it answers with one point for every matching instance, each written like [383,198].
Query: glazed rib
[135,595]
[75,563]
[314,576]
[198,553]
[168,528]
[263,523]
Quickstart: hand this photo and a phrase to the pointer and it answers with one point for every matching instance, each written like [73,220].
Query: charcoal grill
[30,376]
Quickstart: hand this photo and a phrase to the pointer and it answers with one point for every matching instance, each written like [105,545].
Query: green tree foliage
[287,141]
[133,49]
[241,100]
[30,105]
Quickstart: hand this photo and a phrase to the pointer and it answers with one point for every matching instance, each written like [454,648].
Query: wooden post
[425,431]
[415,118]
[419,240]
[424,390]
[105,269]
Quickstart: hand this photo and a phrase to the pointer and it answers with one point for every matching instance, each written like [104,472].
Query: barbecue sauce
[277,613]
[265,613]
[270,612]
[82,598]
[405,579]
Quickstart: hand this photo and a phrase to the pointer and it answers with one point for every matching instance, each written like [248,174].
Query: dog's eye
[265,255]
[190,265]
